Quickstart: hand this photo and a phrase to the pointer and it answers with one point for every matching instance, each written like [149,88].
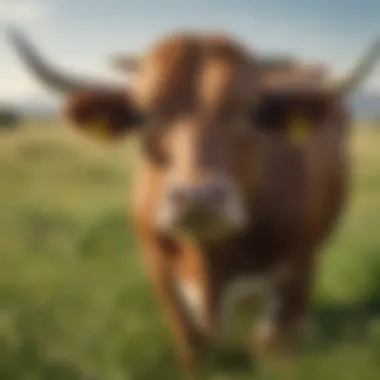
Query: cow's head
[195,99]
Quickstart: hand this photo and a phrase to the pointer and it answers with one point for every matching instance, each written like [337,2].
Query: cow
[242,177]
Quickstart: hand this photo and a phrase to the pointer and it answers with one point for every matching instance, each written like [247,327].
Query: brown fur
[195,91]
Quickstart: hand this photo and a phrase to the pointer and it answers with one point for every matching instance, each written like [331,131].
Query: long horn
[359,73]
[45,73]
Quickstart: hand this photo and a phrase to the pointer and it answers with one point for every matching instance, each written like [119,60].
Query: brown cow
[229,200]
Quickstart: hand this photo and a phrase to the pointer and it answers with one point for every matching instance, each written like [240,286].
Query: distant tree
[9,117]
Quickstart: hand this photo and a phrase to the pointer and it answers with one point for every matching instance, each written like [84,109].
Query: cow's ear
[103,114]
[279,110]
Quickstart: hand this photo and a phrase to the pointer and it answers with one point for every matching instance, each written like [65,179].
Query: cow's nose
[205,197]
[195,206]
[203,210]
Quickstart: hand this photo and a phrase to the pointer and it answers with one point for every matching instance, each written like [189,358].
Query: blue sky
[81,34]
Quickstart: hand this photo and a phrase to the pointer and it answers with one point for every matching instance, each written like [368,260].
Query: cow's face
[191,101]
[196,97]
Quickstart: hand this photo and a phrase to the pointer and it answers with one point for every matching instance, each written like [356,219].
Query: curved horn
[50,77]
[359,73]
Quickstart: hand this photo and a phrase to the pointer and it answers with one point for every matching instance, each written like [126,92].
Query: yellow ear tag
[299,131]
[100,128]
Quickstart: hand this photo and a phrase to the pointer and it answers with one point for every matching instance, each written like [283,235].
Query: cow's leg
[199,299]
[287,314]
[192,342]
[188,341]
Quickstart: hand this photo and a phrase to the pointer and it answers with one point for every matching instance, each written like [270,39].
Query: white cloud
[23,11]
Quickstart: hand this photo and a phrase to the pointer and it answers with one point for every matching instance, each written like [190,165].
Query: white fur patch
[193,298]
[245,286]
[261,285]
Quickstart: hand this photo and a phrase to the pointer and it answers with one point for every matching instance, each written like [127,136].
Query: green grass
[75,303]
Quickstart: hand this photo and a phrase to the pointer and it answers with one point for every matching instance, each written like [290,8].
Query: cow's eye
[269,113]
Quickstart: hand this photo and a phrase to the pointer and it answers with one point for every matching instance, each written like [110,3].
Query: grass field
[75,305]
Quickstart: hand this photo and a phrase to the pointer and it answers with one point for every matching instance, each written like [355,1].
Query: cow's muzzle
[203,211]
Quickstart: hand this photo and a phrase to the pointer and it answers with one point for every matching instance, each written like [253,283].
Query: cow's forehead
[181,69]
